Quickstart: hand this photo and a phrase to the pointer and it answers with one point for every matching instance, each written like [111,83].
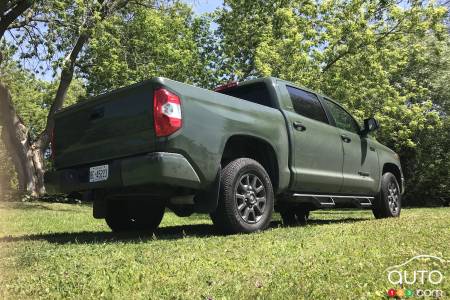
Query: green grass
[59,251]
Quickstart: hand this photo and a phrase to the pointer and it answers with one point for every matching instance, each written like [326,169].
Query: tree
[427,166]
[31,98]
[145,43]
[376,57]
[10,12]
[66,21]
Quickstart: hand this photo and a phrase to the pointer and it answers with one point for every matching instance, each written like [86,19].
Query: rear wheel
[246,198]
[388,203]
[134,215]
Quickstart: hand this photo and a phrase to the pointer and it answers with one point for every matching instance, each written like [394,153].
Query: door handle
[299,126]
[345,138]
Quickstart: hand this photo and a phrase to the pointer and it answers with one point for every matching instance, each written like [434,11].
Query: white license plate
[98,173]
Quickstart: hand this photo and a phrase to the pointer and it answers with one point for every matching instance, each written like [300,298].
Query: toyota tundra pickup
[239,153]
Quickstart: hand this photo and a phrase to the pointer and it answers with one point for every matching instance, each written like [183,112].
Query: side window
[343,119]
[307,104]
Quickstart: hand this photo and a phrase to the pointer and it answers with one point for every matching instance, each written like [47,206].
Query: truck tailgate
[112,125]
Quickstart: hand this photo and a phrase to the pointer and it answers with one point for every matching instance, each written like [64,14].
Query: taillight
[166,112]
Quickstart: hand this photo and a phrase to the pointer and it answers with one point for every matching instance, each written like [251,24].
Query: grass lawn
[59,251]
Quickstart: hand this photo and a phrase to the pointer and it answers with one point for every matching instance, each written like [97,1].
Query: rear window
[255,92]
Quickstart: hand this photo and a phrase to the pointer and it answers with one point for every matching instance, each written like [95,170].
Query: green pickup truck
[238,153]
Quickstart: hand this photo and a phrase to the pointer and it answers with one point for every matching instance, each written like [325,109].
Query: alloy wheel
[393,196]
[250,198]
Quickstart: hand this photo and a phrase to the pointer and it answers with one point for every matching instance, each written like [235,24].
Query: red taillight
[166,112]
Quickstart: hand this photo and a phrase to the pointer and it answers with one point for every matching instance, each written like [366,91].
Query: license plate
[98,173]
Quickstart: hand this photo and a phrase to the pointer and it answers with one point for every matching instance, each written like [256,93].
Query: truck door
[361,167]
[316,148]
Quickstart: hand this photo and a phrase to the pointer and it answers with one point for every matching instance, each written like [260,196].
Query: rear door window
[307,104]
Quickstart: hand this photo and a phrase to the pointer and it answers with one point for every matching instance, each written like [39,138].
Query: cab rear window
[255,92]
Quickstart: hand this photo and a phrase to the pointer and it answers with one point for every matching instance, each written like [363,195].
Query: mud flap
[99,203]
[206,201]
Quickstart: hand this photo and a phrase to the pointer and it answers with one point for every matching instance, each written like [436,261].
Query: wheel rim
[393,197]
[250,196]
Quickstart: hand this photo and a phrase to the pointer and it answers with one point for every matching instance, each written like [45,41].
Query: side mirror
[370,125]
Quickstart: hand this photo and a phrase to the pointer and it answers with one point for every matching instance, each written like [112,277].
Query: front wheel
[388,203]
[246,198]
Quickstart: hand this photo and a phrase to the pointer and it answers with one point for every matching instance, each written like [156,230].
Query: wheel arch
[394,169]
[238,146]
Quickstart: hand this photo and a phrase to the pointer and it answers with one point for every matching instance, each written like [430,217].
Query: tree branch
[360,46]
[13,14]
[67,71]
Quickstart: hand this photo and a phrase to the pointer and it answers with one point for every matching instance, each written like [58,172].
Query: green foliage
[428,167]
[378,58]
[144,43]
[27,93]
[43,33]
[33,97]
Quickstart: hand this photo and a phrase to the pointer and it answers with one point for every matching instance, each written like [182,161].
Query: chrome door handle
[345,138]
[299,126]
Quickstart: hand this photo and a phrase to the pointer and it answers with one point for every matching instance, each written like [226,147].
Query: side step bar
[327,201]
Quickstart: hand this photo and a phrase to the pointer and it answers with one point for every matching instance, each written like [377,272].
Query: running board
[327,201]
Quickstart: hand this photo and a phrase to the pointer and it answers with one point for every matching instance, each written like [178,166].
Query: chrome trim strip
[333,196]
[330,200]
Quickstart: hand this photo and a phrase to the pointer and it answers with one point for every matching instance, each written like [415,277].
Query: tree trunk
[28,156]
[28,160]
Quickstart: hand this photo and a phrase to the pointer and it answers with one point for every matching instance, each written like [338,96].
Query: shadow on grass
[100,237]
[37,206]
[163,233]
[342,211]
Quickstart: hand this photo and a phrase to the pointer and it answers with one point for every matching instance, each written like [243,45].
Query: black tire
[134,215]
[246,198]
[294,216]
[388,203]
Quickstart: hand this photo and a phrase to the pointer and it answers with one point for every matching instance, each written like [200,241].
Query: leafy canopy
[144,43]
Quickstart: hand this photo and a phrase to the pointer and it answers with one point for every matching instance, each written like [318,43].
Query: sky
[204,6]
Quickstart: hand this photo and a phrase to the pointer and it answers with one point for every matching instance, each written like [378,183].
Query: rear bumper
[157,168]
